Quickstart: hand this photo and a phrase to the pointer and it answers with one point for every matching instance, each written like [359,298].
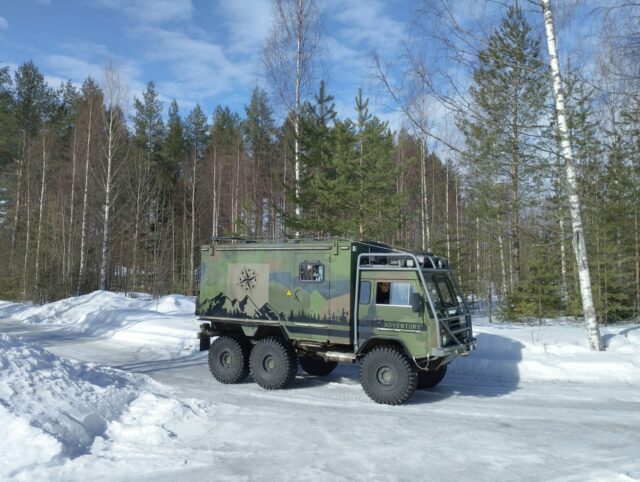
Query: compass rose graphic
[248,279]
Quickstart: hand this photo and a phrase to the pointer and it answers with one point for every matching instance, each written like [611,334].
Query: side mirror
[416,302]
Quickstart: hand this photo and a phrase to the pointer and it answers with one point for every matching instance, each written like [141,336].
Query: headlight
[444,340]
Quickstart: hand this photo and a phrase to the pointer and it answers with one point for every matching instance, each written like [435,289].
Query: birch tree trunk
[564,292]
[637,242]
[26,244]
[85,200]
[478,279]
[446,209]
[214,199]
[457,224]
[503,268]
[72,200]
[192,252]
[106,207]
[424,211]
[16,214]
[41,210]
[579,245]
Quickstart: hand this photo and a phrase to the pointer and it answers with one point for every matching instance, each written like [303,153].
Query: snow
[104,386]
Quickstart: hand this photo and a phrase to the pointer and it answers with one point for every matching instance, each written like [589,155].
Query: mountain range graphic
[245,308]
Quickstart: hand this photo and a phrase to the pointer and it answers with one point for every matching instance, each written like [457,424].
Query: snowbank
[56,414]
[70,400]
[166,323]
[87,309]
[555,351]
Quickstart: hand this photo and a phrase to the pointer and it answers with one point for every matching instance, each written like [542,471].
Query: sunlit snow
[104,386]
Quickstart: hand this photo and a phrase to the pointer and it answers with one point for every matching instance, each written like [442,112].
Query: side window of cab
[394,293]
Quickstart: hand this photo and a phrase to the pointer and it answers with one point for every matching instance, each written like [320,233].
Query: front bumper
[462,349]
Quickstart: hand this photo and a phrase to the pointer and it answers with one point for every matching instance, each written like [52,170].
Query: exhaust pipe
[338,356]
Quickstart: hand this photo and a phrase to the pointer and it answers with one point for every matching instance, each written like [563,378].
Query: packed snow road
[531,404]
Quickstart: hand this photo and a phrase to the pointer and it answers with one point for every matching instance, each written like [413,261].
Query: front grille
[458,328]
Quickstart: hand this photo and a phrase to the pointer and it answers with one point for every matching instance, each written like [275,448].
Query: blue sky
[195,51]
[207,52]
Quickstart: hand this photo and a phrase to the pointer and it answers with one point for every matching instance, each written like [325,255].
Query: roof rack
[404,260]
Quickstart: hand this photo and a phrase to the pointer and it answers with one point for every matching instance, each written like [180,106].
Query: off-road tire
[229,359]
[314,365]
[273,363]
[388,376]
[431,378]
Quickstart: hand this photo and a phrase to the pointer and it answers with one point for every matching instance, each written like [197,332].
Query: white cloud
[4,25]
[151,11]
[248,23]
[199,68]
[368,23]
[60,67]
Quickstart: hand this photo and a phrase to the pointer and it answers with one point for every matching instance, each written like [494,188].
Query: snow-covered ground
[103,386]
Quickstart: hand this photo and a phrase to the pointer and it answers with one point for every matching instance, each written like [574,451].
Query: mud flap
[205,342]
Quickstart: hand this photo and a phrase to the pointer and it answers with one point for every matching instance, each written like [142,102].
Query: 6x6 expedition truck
[270,306]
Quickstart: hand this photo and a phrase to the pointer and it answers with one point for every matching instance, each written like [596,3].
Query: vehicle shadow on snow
[193,359]
[490,371]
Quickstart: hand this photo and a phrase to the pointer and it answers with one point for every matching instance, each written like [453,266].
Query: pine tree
[502,130]
[316,146]
[349,182]
[258,130]
[225,136]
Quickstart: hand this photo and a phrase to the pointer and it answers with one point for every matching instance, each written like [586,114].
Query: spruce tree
[502,131]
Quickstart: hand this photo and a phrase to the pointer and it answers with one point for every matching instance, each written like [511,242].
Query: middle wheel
[273,363]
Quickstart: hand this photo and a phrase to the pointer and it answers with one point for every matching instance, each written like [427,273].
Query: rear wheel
[431,378]
[314,365]
[388,376]
[273,363]
[229,359]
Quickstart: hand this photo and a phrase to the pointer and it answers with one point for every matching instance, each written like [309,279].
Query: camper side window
[313,272]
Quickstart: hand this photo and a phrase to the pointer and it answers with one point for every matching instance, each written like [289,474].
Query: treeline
[518,220]
[95,198]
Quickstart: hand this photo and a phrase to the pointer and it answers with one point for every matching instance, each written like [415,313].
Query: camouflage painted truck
[270,307]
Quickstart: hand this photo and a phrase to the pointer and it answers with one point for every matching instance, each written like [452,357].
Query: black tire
[431,378]
[273,363]
[229,359]
[314,365]
[388,376]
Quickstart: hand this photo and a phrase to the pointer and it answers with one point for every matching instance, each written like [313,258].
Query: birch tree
[196,135]
[579,245]
[289,58]
[93,100]
[115,130]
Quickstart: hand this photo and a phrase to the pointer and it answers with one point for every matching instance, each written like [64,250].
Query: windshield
[442,292]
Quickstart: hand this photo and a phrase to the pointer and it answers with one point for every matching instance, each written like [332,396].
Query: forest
[96,195]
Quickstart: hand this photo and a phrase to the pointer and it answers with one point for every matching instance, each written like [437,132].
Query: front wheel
[388,376]
[431,378]
[273,363]
[229,359]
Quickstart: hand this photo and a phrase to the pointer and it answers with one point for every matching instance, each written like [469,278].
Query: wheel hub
[226,359]
[269,363]
[385,376]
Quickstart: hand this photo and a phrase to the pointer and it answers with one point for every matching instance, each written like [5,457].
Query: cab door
[384,306]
